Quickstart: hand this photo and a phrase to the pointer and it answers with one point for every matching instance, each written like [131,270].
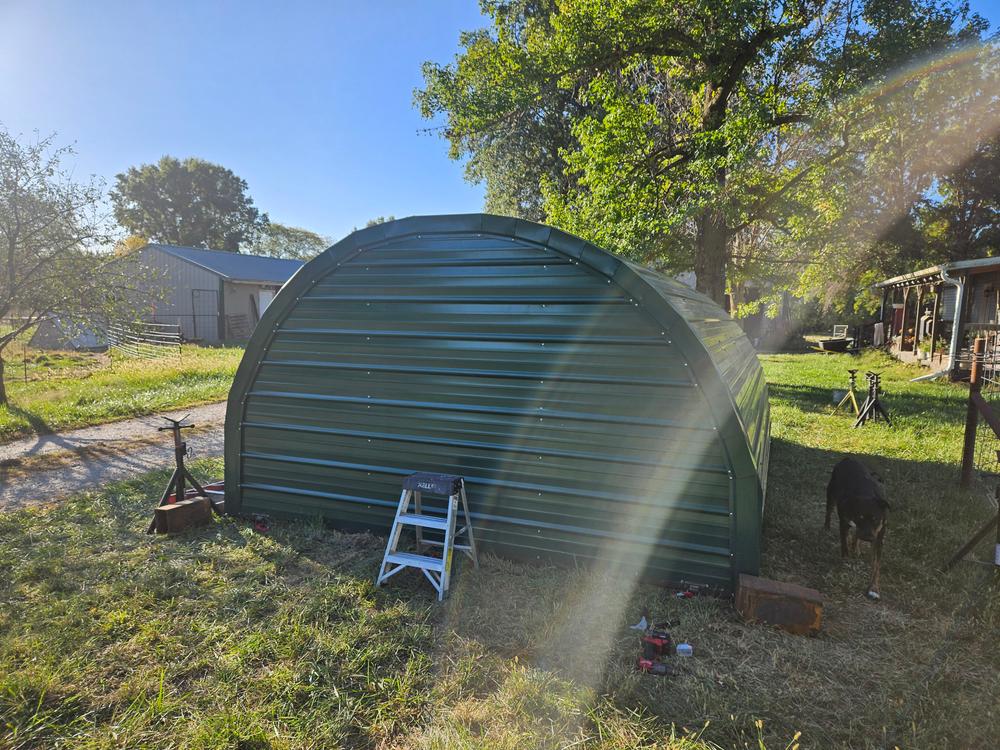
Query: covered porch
[931,317]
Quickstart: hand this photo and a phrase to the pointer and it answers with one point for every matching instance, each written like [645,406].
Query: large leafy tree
[668,129]
[963,220]
[283,241]
[191,202]
[48,222]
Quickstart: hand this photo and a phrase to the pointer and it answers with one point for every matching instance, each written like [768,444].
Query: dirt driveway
[47,467]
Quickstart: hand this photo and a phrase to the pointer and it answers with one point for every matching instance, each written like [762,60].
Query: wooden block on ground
[182,515]
[201,511]
[793,608]
[163,517]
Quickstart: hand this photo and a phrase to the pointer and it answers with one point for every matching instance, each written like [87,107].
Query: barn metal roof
[235,266]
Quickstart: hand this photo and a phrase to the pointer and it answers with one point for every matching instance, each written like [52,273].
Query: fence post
[972,413]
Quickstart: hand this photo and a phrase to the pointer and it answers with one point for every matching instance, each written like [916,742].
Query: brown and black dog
[860,502]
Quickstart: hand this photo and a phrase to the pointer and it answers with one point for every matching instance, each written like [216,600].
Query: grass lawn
[226,638]
[66,390]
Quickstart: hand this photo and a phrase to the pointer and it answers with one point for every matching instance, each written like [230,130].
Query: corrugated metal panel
[509,356]
[734,357]
[170,282]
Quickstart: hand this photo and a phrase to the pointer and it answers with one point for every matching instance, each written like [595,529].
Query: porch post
[903,321]
[917,316]
[934,317]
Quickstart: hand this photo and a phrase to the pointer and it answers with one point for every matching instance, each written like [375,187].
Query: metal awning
[933,274]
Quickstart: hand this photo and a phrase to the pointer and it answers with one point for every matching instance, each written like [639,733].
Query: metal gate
[205,313]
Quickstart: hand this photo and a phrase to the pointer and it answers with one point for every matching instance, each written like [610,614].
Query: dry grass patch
[226,638]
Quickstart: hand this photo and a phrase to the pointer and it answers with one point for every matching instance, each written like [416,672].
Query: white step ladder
[437,569]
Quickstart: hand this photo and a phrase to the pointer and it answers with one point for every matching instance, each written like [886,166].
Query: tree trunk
[3,384]
[711,256]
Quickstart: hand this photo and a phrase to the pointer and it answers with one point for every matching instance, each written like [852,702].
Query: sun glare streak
[873,157]
[957,98]
[635,530]
[959,95]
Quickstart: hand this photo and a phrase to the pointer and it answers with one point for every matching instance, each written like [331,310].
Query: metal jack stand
[849,396]
[175,486]
[873,408]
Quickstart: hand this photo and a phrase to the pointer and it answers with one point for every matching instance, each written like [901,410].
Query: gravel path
[47,467]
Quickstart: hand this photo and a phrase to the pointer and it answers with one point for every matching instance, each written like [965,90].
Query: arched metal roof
[640,433]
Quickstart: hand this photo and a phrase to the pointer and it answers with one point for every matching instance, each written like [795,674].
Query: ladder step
[415,561]
[436,543]
[427,522]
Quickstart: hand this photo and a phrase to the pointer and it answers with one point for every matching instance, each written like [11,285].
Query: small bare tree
[50,225]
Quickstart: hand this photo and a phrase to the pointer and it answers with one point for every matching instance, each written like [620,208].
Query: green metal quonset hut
[596,409]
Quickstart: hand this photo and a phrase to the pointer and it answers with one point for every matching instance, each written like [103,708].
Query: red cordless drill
[655,645]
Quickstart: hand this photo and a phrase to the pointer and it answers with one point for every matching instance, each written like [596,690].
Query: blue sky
[311,103]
